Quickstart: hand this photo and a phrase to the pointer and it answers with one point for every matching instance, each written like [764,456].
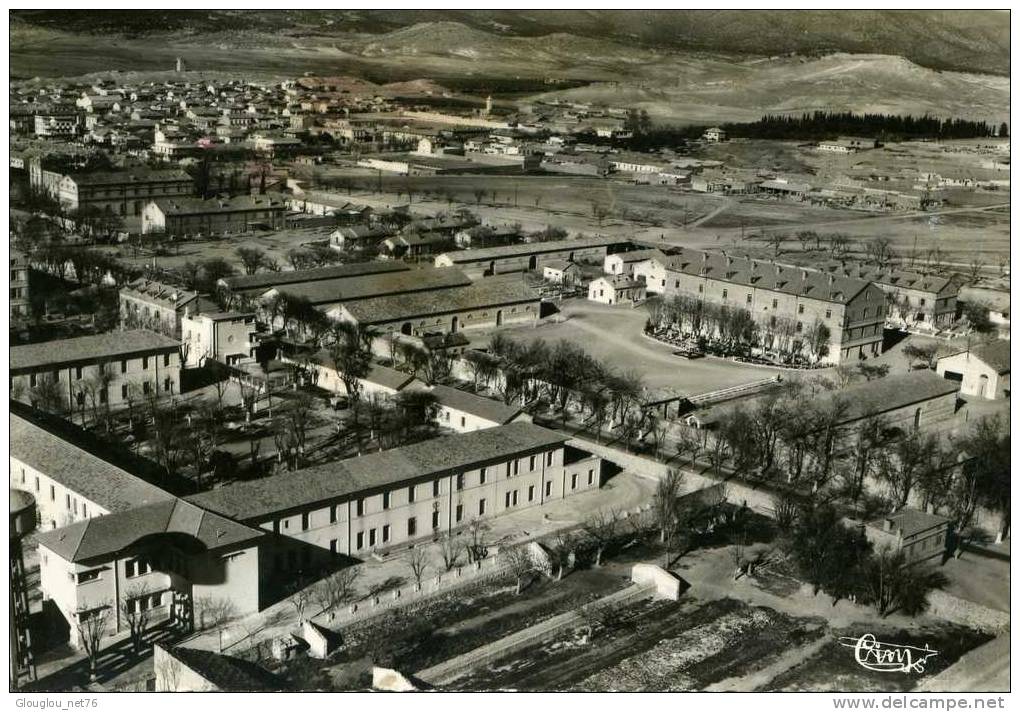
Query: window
[531,462]
[460,482]
[31,380]
[371,537]
[516,467]
[506,503]
[548,489]
[385,500]
[360,505]
[37,484]
[385,533]
[508,469]
[828,313]
[145,363]
[922,301]
[513,499]
[79,398]
[412,526]
[435,520]
[332,514]
[463,422]
[84,510]
[591,477]
[748,297]
[531,493]
[360,541]
[481,476]
[123,391]
[137,567]
[548,458]
[145,388]
[123,366]
[573,482]
[166,357]
[460,512]
[724,293]
[775,303]
[332,546]
[481,506]
[701,288]
[86,576]
[77,373]
[53,493]
[800,308]
[435,488]
[166,385]
[305,521]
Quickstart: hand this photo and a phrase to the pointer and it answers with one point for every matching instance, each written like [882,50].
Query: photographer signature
[875,655]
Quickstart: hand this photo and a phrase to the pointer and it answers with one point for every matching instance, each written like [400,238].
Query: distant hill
[969,41]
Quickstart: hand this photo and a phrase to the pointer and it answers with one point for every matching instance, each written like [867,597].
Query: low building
[714,134]
[491,303]
[532,256]
[464,412]
[226,337]
[20,303]
[354,237]
[69,479]
[846,145]
[560,272]
[624,262]
[257,284]
[108,368]
[982,371]
[186,217]
[170,559]
[920,536]
[617,289]
[381,501]
[152,305]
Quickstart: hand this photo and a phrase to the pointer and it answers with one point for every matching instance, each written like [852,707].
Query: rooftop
[892,277]
[158,292]
[227,673]
[376,285]
[353,477]
[114,344]
[502,251]
[102,537]
[487,408]
[909,522]
[267,280]
[489,292]
[78,469]
[140,175]
[236,204]
[994,353]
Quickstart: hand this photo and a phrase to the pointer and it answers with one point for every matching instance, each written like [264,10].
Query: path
[749,682]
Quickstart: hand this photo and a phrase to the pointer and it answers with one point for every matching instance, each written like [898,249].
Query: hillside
[968,41]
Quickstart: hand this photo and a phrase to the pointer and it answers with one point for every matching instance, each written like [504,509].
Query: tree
[300,596]
[879,250]
[872,371]
[336,589]
[91,626]
[48,395]
[987,447]
[251,259]
[785,509]
[560,551]
[351,359]
[838,246]
[866,454]
[667,492]
[776,240]
[449,549]
[518,562]
[924,354]
[824,549]
[418,562]
[601,529]
[134,610]
[476,549]
[889,583]
[1003,130]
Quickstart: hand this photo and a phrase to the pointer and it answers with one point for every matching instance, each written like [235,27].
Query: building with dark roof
[981,371]
[486,261]
[344,290]
[919,535]
[464,412]
[122,192]
[169,558]
[485,304]
[192,216]
[159,307]
[787,302]
[262,281]
[98,371]
[914,298]
[387,499]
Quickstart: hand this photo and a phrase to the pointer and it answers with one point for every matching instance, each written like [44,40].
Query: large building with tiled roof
[486,261]
[168,558]
[218,216]
[260,282]
[97,371]
[383,500]
[122,192]
[851,309]
[914,298]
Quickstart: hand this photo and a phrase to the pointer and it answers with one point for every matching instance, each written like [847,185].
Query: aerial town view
[509,350]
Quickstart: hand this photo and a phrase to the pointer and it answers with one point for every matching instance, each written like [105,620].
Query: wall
[973,369]
[481,318]
[174,676]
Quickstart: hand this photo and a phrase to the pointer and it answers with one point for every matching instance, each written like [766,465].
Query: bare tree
[168,671]
[879,250]
[91,626]
[134,610]
[667,492]
[449,549]
[418,562]
[560,552]
[601,527]
[300,597]
[518,561]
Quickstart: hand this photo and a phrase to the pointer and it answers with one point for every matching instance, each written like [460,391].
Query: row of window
[79,372]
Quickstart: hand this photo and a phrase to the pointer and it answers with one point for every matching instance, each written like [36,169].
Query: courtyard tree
[252,258]
[517,559]
[667,494]
[988,467]
[890,583]
[134,610]
[418,562]
[601,528]
[449,550]
[91,623]
[350,358]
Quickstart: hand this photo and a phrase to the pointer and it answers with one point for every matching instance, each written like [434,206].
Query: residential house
[616,289]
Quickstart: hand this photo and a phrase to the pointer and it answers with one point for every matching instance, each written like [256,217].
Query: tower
[22,523]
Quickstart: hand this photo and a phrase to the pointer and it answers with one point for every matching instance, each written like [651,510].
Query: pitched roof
[107,536]
[227,673]
[487,408]
[893,277]
[235,204]
[354,476]
[502,251]
[885,394]
[348,289]
[763,274]
[909,522]
[995,354]
[154,291]
[79,470]
[377,374]
[133,176]
[620,281]
[267,280]
[489,292]
[111,345]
